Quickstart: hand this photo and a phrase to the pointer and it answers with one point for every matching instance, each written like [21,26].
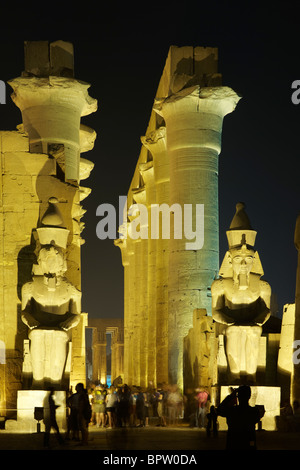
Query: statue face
[242,261]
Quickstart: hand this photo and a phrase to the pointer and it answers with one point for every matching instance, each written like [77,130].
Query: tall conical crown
[52,233]
[240,231]
[241,236]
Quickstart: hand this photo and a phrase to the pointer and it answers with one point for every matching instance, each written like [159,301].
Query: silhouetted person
[212,422]
[50,419]
[83,412]
[241,419]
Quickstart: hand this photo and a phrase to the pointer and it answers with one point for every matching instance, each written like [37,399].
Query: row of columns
[99,348]
[165,281]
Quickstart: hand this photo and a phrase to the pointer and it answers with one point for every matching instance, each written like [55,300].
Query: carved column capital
[51,110]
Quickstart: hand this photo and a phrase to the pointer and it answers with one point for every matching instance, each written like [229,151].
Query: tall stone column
[52,102]
[126,246]
[194,118]
[149,323]
[117,352]
[155,142]
[99,358]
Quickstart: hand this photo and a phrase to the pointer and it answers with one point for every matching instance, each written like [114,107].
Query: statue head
[241,258]
[53,241]
[51,261]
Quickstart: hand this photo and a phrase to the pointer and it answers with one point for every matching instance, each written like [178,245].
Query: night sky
[121,51]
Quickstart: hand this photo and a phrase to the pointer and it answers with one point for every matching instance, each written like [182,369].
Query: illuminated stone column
[136,340]
[78,367]
[126,254]
[99,356]
[128,259]
[193,118]
[52,102]
[149,293]
[117,351]
[155,142]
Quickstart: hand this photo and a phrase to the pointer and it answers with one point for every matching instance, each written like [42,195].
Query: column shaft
[193,120]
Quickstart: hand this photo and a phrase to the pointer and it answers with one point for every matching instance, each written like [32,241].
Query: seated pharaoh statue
[240,299]
[50,305]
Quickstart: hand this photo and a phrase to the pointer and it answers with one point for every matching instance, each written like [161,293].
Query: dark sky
[121,51]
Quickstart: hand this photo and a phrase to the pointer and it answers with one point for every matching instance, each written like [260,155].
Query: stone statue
[240,299]
[50,306]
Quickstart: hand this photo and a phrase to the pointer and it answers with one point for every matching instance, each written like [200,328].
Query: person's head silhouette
[244,394]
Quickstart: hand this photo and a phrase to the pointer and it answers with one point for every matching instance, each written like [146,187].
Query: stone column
[194,118]
[146,170]
[78,370]
[51,110]
[99,356]
[127,250]
[155,142]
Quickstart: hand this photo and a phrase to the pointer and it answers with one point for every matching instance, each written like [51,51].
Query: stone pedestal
[28,400]
[269,397]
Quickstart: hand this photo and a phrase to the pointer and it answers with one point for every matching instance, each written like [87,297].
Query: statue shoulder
[265,287]
[27,288]
[72,290]
[26,293]
[74,295]
[218,286]
[222,283]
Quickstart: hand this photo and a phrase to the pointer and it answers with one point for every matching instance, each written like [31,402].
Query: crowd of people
[133,406]
[123,406]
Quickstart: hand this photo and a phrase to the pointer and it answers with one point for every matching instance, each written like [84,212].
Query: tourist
[72,403]
[91,391]
[50,419]
[212,422]
[160,409]
[111,402]
[133,396]
[147,406]
[81,412]
[241,419]
[99,405]
[202,398]
[140,408]
[174,404]
[123,408]
[154,394]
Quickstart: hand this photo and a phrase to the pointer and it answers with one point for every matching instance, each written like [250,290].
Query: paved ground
[151,438]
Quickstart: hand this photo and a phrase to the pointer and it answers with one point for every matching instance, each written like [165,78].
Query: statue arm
[71,322]
[220,312]
[75,309]
[26,316]
[265,296]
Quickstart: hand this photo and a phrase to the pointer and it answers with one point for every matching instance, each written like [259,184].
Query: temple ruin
[188,320]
